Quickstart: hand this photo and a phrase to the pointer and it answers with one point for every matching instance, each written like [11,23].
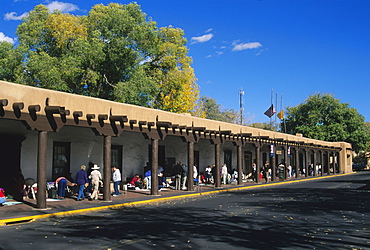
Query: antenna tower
[241,105]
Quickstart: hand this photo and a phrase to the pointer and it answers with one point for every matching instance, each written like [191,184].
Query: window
[228,160]
[61,159]
[116,156]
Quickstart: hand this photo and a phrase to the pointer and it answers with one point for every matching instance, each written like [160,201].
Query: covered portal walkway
[45,134]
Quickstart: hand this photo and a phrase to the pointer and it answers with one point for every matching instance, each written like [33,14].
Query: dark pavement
[312,213]
[26,211]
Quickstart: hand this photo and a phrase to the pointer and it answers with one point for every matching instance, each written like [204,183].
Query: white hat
[95,167]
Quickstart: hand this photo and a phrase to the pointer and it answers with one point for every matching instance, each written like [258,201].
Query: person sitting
[202,178]
[208,174]
[160,182]
[2,197]
[136,181]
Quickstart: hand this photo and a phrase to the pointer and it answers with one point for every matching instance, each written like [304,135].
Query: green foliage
[178,91]
[10,62]
[264,125]
[209,108]
[115,53]
[323,117]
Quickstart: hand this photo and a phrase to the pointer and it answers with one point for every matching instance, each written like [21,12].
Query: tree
[323,117]
[115,53]
[10,62]
[209,108]
[264,125]
[170,80]
[177,83]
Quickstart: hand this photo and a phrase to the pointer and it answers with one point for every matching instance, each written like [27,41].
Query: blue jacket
[81,177]
[148,173]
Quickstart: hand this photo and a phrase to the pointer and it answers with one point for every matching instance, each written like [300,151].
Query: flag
[280,115]
[271,111]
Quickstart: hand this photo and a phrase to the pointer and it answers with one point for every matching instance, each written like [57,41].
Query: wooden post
[107,168]
[217,163]
[258,161]
[154,189]
[41,169]
[240,164]
[190,173]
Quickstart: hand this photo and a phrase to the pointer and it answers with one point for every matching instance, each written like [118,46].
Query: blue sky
[291,48]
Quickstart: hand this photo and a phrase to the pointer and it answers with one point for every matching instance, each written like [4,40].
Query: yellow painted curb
[32,218]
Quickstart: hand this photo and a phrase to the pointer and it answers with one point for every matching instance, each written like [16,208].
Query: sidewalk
[26,211]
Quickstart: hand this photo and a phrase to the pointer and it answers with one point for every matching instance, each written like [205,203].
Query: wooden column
[107,167]
[296,166]
[314,163]
[322,162]
[190,178]
[154,189]
[41,169]
[328,162]
[286,161]
[306,162]
[336,163]
[273,163]
[240,164]
[258,161]
[217,163]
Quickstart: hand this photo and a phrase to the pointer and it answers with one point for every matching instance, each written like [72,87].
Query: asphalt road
[329,213]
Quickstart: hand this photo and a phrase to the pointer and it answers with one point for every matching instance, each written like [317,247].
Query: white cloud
[244,46]
[63,7]
[209,30]
[5,38]
[13,16]
[202,39]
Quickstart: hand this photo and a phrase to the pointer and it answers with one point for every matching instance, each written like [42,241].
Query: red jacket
[2,192]
[135,179]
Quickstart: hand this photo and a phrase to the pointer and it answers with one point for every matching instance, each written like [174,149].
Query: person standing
[148,178]
[116,180]
[289,171]
[177,171]
[96,178]
[254,172]
[266,171]
[224,174]
[184,176]
[81,180]
[214,173]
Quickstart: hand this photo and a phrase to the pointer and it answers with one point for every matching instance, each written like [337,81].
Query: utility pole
[241,105]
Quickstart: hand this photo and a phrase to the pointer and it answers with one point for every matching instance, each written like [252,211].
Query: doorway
[61,159]
[11,177]
[247,162]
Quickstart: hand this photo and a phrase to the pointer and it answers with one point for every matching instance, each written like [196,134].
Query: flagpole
[276,102]
[272,97]
[284,114]
[281,108]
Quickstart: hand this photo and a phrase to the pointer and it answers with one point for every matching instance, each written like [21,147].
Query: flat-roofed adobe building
[45,134]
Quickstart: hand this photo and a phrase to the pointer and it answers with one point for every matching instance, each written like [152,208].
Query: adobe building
[45,134]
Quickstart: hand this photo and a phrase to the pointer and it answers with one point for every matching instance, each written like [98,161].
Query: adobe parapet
[43,109]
